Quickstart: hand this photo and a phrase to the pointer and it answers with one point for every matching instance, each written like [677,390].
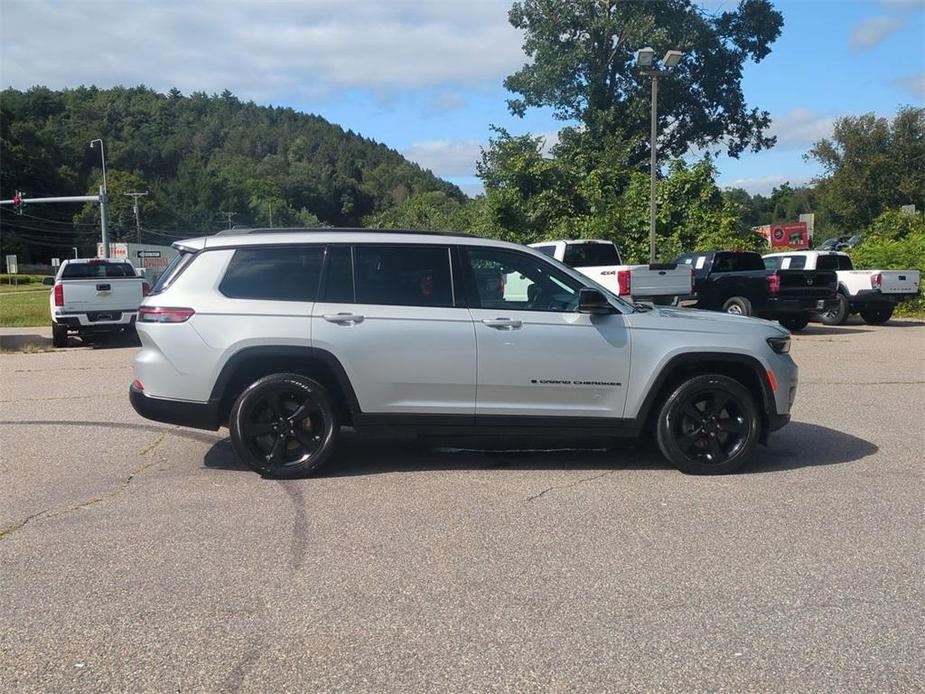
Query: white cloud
[446,157]
[873,31]
[800,128]
[259,50]
[915,84]
[445,102]
[764,184]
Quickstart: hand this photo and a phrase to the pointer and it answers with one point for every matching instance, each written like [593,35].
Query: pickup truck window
[86,271]
[833,262]
[547,250]
[591,255]
[737,262]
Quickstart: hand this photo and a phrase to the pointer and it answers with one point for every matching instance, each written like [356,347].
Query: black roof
[328,230]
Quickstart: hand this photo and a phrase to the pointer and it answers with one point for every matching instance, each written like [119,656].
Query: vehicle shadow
[24,343]
[820,329]
[798,445]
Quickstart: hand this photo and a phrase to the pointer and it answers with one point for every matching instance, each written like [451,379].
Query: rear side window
[738,262]
[275,274]
[833,262]
[590,255]
[403,275]
[83,271]
[772,263]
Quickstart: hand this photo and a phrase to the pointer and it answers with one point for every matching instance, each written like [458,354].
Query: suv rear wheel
[709,425]
[284,425]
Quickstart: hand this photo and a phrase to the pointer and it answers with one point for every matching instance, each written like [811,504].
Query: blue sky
[424,77]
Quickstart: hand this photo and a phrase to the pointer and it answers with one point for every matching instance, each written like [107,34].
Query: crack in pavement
[118,489]
[569,486]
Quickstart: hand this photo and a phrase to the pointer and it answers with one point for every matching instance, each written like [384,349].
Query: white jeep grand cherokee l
[286,335]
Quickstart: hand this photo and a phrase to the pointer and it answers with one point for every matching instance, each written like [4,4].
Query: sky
[425,76]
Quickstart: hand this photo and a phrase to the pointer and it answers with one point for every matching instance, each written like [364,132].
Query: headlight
[780,344]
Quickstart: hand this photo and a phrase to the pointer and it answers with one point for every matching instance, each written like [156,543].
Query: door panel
[536,354]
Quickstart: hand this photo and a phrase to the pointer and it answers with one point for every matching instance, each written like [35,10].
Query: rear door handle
[343,318]
[503,323]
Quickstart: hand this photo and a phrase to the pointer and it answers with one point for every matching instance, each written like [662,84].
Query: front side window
[516,281]
[274,274]
[403,275]
[772,263]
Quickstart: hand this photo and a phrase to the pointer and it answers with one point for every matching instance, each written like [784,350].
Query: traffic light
[18,202]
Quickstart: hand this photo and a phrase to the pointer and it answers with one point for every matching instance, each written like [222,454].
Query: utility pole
[134,196]
[270,206]
[229,215]
[104,199]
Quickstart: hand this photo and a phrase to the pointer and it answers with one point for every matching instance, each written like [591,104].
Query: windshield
[591,254]
[96,270]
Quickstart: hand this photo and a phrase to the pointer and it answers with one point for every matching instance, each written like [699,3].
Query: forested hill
[198,156]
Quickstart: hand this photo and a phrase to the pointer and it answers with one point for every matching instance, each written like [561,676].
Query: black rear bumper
[781,306]
[874,299]
[188,414]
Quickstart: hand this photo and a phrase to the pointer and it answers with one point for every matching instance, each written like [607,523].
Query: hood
[706,321]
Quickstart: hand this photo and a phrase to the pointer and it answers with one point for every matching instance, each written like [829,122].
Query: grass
[24,310]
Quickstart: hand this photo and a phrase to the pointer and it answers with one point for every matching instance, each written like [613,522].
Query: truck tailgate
[819,284]
[660,280]
[102,294]
[899,281]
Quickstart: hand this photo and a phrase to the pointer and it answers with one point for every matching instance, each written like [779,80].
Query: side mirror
[593,301]
[48,281]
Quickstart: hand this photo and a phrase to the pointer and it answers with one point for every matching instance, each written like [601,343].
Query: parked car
[872,293]
[94,296]
[287,335]
[737,282]
[601,261]
[839,243]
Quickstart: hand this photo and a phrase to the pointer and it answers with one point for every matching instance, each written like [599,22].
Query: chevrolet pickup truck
[94,296]
[872,293]
[737,282]
[601,261]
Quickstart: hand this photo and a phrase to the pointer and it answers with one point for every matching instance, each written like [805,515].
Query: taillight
[138,385]
[145,289]
[151,314]
[876,281]
[623,282]
[59,294]
[774,283]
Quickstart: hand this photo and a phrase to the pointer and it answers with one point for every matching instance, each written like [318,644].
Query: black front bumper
[188,414]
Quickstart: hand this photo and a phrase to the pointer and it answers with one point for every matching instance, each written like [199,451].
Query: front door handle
[503,323]
[343,318]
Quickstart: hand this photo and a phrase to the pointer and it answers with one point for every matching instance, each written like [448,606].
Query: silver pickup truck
[94,296]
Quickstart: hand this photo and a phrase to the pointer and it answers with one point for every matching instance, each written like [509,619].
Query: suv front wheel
[708,425]
[284,425]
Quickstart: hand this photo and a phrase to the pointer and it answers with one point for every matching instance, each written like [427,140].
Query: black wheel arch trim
[767,406]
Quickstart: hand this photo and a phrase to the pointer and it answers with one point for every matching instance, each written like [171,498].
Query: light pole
[645,58]
[104,199]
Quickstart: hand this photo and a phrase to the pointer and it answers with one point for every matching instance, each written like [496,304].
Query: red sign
[794,235]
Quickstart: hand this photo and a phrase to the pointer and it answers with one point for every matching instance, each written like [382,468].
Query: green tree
[871,164]
[582,67]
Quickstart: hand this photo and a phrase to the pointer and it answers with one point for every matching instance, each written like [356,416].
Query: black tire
[58,335]
[836,315]
[877,316]
[738,305]
[795,322]
[709,425]
[284,426]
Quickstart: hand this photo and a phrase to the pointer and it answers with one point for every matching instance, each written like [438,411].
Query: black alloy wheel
[708,425]
[283,426]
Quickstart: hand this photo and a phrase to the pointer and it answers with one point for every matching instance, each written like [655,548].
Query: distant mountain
[199,157]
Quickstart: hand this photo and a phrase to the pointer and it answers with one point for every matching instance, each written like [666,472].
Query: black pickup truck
[738,282]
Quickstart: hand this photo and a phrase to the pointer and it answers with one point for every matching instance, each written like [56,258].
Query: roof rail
[329,230]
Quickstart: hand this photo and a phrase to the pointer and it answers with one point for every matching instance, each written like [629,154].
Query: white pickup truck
[601,261]
[872,293]
[94,296]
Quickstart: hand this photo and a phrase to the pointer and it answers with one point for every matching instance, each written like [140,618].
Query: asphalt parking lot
[136,556]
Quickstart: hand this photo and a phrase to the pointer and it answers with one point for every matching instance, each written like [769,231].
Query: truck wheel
[837,314]
[738,306]
[709,425]
[58,335]
[877,316]
[284,426]
[795,322]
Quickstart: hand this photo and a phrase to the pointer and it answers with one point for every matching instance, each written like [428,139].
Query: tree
[871,164]
[583,68]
